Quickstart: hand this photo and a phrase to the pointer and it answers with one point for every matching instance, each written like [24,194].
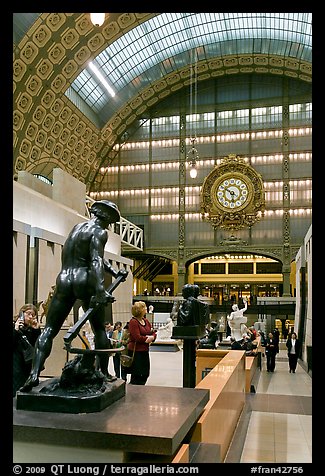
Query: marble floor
[276,423]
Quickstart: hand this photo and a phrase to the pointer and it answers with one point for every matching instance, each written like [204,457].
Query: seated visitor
[209,342]
[235,344]
[248,345]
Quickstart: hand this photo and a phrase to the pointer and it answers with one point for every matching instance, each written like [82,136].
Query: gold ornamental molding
[48,130]
[232,195]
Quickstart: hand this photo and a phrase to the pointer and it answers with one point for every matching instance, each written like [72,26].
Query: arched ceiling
[145,58]
[169,42]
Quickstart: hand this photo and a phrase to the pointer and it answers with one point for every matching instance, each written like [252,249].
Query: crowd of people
[253,341]
[137,333]
[135,337]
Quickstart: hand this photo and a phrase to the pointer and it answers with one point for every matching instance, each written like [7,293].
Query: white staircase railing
[130,233]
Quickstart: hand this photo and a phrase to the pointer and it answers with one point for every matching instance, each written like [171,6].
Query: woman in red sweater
[141,336]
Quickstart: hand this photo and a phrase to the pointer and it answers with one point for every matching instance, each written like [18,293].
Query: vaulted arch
[53,128]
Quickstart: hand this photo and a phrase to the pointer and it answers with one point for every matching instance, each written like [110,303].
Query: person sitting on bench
[209,342]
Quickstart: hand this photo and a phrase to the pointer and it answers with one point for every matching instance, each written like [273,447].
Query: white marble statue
[165,332]
[237,321]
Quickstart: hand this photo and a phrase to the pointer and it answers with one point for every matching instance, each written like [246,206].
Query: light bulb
[97,19]
[193,172]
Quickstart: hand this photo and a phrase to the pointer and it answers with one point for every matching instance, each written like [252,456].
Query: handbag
[127,360]
[27,348]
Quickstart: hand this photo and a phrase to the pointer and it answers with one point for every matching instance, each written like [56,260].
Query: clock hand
[233,195]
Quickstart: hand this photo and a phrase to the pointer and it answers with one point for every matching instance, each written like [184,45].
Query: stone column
[181,205]
[286,257]
[286,280]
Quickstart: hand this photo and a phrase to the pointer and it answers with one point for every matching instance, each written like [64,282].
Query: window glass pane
[169,34]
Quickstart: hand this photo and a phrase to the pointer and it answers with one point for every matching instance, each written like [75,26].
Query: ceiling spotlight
[97,19]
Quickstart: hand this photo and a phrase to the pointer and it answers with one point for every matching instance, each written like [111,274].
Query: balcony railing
[131,235]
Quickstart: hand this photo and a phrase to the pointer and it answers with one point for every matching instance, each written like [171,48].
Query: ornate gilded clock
[232,195]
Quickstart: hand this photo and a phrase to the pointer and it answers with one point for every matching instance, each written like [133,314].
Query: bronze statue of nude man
[81,277]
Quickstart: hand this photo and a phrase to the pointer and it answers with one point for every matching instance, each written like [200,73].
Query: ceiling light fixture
[193,155]
[97,19]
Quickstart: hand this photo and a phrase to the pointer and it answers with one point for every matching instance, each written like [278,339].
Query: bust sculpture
[192,311]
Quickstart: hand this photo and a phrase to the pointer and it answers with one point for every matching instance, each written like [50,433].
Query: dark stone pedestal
[189,334]
[154,420]
[45,398]
[189,357]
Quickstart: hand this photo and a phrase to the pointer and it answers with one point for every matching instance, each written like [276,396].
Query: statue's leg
[97,322]
[57,313]
[42,350]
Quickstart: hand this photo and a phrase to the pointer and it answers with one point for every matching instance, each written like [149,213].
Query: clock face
[232,193]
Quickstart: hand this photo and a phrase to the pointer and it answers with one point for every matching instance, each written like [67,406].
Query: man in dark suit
[294,347]
[271,349]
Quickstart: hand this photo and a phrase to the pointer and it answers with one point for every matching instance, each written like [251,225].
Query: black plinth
[41,400]
[189,334]
[189,357]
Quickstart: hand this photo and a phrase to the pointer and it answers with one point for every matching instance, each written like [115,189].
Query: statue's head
[196,290]
[235,307]
[106,210]
[187,290]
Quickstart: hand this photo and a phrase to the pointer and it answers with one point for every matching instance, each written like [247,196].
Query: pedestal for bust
[189,334]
